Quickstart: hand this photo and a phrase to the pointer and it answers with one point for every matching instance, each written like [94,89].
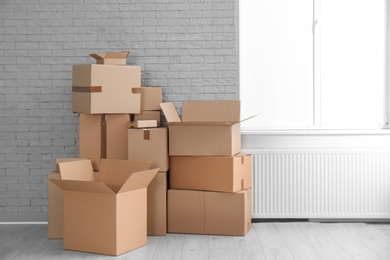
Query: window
[318,64]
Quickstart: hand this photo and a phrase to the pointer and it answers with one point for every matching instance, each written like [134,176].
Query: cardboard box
[225,174]
[55,202]
[157,205]
[142,124]
[111,58]
[149,145]
[103,136]
[151,97]
[207,128]
[105,89]
[212,213]
[108,216]
[148,115]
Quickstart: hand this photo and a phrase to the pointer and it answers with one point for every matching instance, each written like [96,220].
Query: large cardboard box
[151,97]
[207,128]
[105,89]
[106,216]
[212,213]
[223,173]
[103,136]
[148,115]
[149,144]
[55,202]
[157,205]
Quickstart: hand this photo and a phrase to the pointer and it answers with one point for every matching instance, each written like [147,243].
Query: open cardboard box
[105,89]
[111,58]
[207,128]
[108,216]
[212,173]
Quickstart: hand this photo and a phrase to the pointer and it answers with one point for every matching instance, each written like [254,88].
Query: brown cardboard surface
[148,115]
[213,213]
[60,160]
[211,111]
[157,205]
[103,136]
[142,124]
[116,95]
[100,220]
[149,145]
[224,174]
[151,97]
[113,58]
[77,170]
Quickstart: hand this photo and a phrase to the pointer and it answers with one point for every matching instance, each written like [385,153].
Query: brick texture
[189,47]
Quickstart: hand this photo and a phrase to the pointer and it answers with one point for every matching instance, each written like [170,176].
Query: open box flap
[60,160]
[110,55]
[80,170]
[83,186]
[114,173]
[211,111]
[139,180]
[170,112]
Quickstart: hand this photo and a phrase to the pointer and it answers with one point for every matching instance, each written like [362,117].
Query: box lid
[60,160]
[84,186]
[115,58]
[80,170]
[170,112]
[211,111]
[139,180]
[114,173]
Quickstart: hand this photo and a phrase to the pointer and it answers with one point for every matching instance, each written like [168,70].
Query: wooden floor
[288,240]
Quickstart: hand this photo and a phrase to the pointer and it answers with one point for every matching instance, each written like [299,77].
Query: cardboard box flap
[110,55]
[80,170]
[139,180]
[211,111]
[114,173]
[170,112]
[60,160]
[83,186]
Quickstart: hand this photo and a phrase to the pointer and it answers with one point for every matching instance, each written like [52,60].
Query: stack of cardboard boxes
[210,180]
[114,111]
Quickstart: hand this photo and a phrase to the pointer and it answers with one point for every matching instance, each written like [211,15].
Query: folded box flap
[170,112]
[60,160]
[110,55]
[114,173]
[97,56]
[211,111]
[80,170]
[83,186]
[139,180]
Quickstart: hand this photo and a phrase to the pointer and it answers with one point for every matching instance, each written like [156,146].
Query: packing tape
[90,89]
[146,134]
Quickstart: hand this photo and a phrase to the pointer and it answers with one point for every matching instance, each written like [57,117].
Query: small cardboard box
[103,136]
[149,145]
[157,205]
[211,213]
[111,58]
[106,216]
[55,202]
[151,97]
[105,89]
[225,174]
[142,124]
[148,115]
[207,128]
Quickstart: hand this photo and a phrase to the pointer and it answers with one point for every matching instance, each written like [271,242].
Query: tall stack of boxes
[210,180]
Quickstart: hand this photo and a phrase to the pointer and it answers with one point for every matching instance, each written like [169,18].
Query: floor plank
[170,247]
[222,248]
[248,247]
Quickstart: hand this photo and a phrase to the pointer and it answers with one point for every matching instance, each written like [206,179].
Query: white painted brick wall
[189,47]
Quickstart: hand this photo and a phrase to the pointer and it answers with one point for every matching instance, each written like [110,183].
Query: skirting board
[23,217]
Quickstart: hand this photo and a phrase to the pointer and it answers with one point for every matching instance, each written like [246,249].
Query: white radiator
[321,183]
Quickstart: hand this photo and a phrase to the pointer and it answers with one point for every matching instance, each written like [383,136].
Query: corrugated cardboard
[225,174]
[55,202]
[105,89]
[106,218]
[149,145]
[157,205]
[103,136]
[148,115]
[151,97]
[113,58]
[208,132]
[212,213]
[142,124]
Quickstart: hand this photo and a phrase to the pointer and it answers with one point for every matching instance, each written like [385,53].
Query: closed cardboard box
[157,205]
[103,136]
[211,213]
[223,173]
[207,128]
[105,89]
[149,144]
[151,97]
[106,216]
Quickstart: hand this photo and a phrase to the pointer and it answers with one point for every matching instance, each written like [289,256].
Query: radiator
[321,183]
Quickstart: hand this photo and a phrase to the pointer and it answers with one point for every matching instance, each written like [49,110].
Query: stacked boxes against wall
[109,99]
[210,180]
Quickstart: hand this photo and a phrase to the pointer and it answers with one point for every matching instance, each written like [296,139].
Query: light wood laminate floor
[265,241]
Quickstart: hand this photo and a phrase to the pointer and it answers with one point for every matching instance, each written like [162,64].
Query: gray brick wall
[189,47]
